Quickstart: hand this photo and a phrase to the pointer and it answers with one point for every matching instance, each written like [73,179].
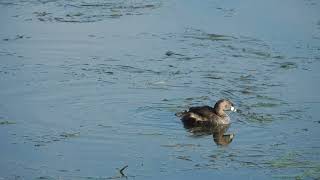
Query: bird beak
[233,109]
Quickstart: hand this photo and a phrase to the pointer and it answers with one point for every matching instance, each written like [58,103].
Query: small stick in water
[122,169]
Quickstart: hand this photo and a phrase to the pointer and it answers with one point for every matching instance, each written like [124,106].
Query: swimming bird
[206,115]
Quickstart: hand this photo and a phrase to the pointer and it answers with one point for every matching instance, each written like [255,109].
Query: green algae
[186,158]
[261,118]
[6,122]
[180,145]
[288,65]
[267,98]
[265,105]
[289,160]
[149,134]
[295,161]
[69,135]
[201,35]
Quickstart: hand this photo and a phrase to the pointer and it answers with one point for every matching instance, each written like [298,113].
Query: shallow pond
[89,89]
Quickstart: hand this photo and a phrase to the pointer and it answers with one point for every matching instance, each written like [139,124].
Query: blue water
[86,88]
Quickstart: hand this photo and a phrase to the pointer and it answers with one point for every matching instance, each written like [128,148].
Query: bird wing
[205,111]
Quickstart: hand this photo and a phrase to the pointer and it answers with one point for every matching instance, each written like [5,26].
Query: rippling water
[88,87]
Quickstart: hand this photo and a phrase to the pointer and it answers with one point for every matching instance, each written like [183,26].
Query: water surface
[88,87]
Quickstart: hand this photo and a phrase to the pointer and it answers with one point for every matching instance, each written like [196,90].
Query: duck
[206,115]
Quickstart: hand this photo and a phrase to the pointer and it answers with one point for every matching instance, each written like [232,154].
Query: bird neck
[220,112]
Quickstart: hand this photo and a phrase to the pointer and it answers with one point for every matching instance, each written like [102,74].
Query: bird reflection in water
[218,132]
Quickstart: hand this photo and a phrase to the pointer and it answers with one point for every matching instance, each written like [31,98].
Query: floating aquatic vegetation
[104,126]
[6,122]
[186,158]
[257,117]
[74,11]
[279,57]
[248,77]
[257,53]
[171,53]
[228,12]
[200,98]
[288,65]
[246,91]
[17,37]
[132,69]
[181,145]
[150,134]
[265,105]
[201,35]
[295,161]
[45,178]
[289,160]
[69,135]
[212,76]
[7,3]
[43,140]
[312,173]
[264,97]
[41,14]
